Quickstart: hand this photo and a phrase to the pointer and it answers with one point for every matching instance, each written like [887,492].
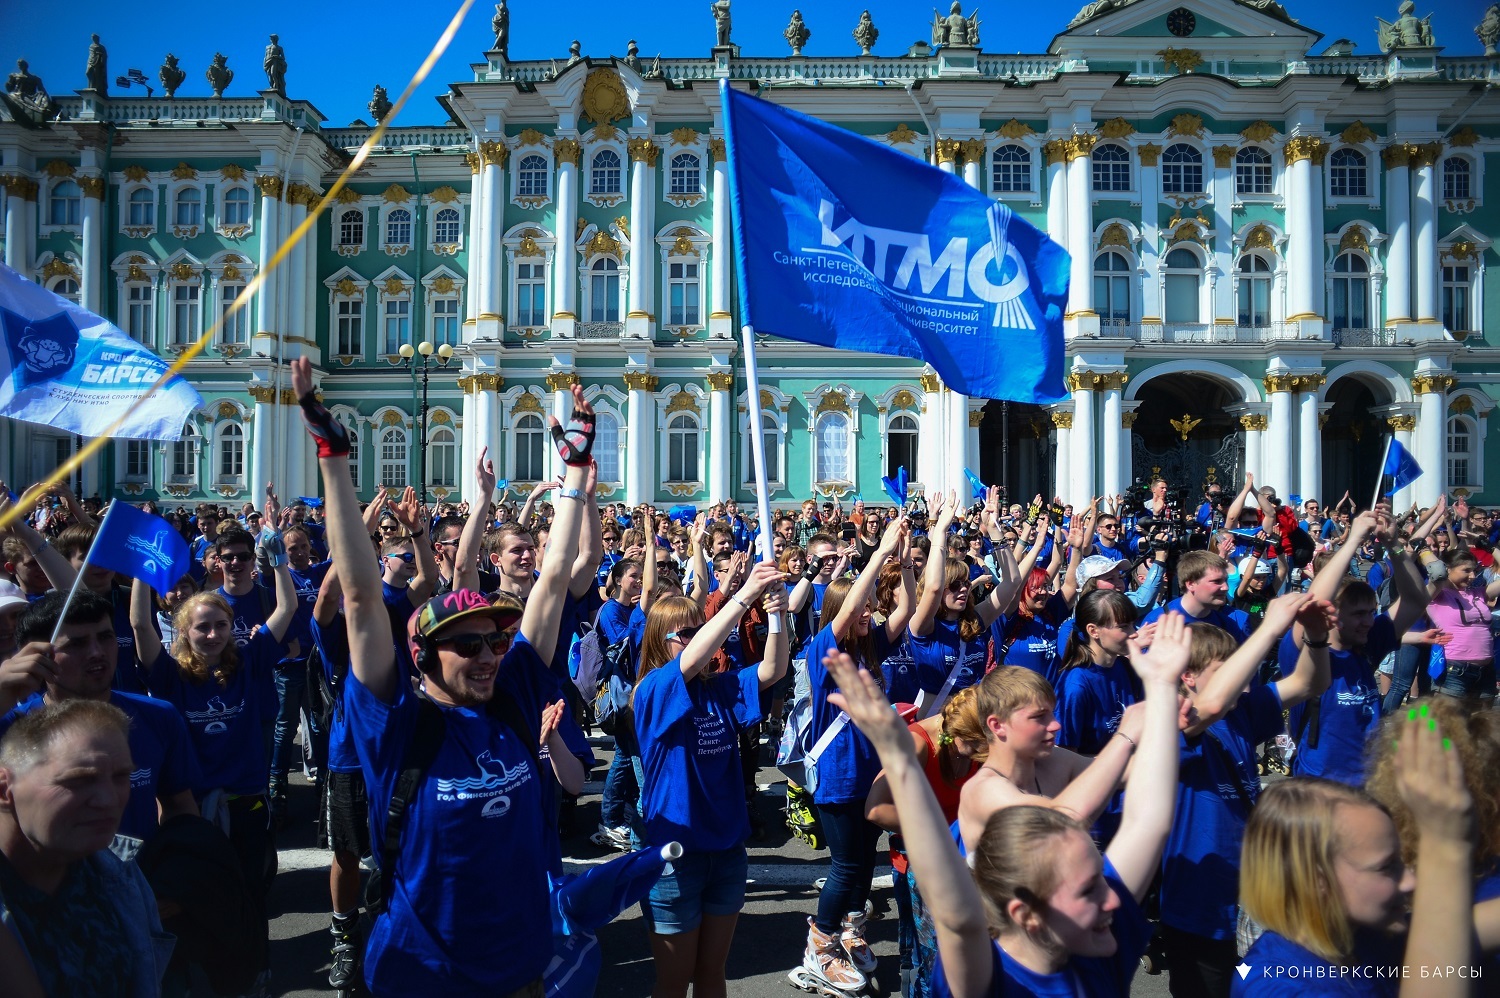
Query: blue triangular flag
[975,483]
[896,489]
[140,545]
[1401,467]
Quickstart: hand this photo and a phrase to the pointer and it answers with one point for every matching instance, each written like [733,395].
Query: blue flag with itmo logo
[140,545]
[844,242]
[1402,468]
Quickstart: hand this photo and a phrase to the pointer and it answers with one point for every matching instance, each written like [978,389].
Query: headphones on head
[427,655]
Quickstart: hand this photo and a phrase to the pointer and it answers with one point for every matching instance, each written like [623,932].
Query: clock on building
[1181,22]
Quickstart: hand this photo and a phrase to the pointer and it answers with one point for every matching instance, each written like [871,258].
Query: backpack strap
[503,707]
[425,742]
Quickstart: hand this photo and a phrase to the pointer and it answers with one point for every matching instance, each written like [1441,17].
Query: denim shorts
[1469,680]
[698,884]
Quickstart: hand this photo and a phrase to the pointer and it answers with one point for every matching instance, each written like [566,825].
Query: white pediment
[1239,30]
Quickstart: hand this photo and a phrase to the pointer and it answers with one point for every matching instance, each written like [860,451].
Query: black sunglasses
[237,556]
[469,645]
[684,634]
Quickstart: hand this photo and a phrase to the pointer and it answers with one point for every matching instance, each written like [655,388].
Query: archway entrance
[1016,448]
[1353,441]
[1183,432]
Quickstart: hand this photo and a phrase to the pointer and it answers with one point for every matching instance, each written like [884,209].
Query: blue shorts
[698,884]
[1468,680]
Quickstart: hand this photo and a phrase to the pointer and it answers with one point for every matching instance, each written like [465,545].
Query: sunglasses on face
[610,537]
[237,556]
[389,528]
[663,565]
[469,645]
[684,634]
[407,557]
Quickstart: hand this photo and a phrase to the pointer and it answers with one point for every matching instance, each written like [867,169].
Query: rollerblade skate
[852,938]
[801,818]
[344,975]
[826,969]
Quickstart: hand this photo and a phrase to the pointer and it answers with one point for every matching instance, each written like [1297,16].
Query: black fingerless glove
[331,436]
[577,443]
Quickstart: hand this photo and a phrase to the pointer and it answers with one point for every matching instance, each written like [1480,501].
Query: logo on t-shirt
[243,631]
[215,716]
[140,777]
[714,736]
[492,785]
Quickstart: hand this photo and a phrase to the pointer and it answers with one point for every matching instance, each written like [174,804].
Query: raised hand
[484,472]
[551,718]
[1170,648]
[762,578]
[1430,779]
[1318,617]
[577,443]
[1282,610]
[408,512]
[272,511]
[331,436]
[891,539]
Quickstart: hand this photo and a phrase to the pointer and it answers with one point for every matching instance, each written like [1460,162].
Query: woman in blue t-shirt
[1323,874]
[688,723]
[1041,913]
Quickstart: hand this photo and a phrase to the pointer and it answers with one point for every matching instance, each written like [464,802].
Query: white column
[930,457]
[1403,426]
[971,444]
[1225,307]
[469,414]
[973,153]
[1080,227]
[1309,446]
[1398,244]
[296,284]
[1062,482]
[1082,444]
[1304,270]
[945,151]
[261,445]
[718,292]
[91,279]
[1277,456]
[561,385]
[1425,233]
[643,153]
[19,193]
[266,308]
[957,439]
[492,155]
[1115,440]
[565,262]
[1057,191]
[1127,445]
[640,438]
[1151,303]
[1254,426]
[487,420]
[1432,437]
[720,435]
[475,250]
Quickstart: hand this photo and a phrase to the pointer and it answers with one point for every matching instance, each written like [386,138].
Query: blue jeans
[618,804]
[291,697]
[1411,669]
[1468,680]
[851,842]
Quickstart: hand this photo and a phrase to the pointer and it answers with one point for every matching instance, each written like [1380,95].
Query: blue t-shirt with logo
[163,758]
[1279,968]
[307,584]
[943,651]
[1031,641]
[1090,702]
[469,908]
[689,736]
[900,668]
[1348,712]
[1083,977]
[847,767]
[1218,784]
[128,672]
[226,722]
[332,643]
[1236,622]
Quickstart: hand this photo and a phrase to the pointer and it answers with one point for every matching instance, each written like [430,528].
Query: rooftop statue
[219,74]
[25,94]
[721,22]
[1488,29]
[275,66]
[633,55]
[955,30]
[865,33]
[97,70]
[171,76]
[380,104]
[1407,31]
[500,25]
[797,33]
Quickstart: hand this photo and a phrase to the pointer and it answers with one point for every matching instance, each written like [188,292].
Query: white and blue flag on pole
[65,367]
[140,545]
[847,243]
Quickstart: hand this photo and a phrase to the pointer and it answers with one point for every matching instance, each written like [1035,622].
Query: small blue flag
[1401,467]
[896,489]
[140,545]
[683,514]
[65,367]
[847,243]
[975,483]
[311,502]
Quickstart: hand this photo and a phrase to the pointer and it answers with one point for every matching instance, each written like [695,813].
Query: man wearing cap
[1106,573]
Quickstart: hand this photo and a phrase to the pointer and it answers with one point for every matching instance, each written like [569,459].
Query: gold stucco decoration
[1356,133]
[59,168]
[530,137]
[184,172]
[347,288]
[1181,60]
[394,286]
[901,134]
[682,402]
[136,174]
[396,194]
[832,402]
[232,171]
[1259,131]
[1186,124]
[684,136]
[183,271]
[1015,129]
[1354,239]
[527,402]
[1114,234]
[1116,128]
[443,285]
[1260,237]
[444,195]
[604,96]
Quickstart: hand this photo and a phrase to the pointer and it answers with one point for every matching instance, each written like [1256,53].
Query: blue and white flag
[1401,467]
[847,243]
[65,367]
[140,545]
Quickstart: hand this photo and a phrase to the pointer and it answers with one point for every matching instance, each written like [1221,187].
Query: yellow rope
[15,512]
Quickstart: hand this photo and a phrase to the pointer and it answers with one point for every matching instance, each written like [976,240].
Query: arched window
[393,457]
[66,287]
[1461,453]
[398,228]
[1111,287]
[1347,175]
[188,210]
[445,227]
[686,174]
[531,463]
[1457,179]
[1255,290]
[231,454]
[607,446]
[901,441]
[1111,163]
[141,212]
[531,177]
[682,448]
[352,227]
[66,202]
[182,466]
[604,175]
[1010,169]
[442,457]
[1182,277]
[1351,292]
[604,291]
[351,426]
[236,206]
[831,438]
[1252,171]
[1182,170]
[770,431]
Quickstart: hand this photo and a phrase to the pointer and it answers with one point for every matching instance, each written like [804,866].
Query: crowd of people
[1252,742]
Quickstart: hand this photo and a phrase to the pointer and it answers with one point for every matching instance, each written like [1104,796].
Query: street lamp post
[444,354]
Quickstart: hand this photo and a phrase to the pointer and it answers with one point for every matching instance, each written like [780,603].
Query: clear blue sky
[336,55]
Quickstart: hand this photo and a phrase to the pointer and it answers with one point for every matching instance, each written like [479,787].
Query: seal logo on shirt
[215,716]
[140,777]
[492,785]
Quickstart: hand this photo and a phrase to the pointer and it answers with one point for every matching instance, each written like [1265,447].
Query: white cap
[1262,567]
[11,595]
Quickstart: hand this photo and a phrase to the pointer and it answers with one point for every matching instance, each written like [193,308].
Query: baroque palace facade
[1279,259]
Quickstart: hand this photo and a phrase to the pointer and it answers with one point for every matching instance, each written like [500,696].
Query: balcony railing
[599,330]
[1201,332]
[1364,337]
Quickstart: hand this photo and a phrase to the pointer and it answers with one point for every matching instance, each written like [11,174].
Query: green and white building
[1279,258]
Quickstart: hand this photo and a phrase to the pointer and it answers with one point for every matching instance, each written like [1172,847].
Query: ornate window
[1348,174]
[831,439]
[65,287]
[236,208]
[682,448]
[445,319]
[1457,295]
[140,312]
[1351,292]
[349,323]
[1457,179]
[352,228]
[182,460]
[683,291]
[1252,171]
[1463,452]
[135,460]
[65,205]
[234,326]
[1181,281]
[901,442]
[231,454]
[770,429]
[686,175]
[530,457]
[1111,290]
[186,317]
[140,208]
[446,227]
[442,457]
[396,328]
[532,176]
[398,227]
[1181,170]
[393,457]
[351,425]
[604,174]
[187,208]
[531,295]
[604,291]
[1010,169]
[607,446]
[1111,167]
[1255,290]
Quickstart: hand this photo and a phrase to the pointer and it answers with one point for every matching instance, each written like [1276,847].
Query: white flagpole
[758,451]
[1381,480]
[78,580]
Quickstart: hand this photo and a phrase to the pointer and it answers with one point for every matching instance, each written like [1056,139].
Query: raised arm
[774,661]
[699,561]
[142,626]
[330,593]
[543,617]
[591,547]
[906,593]
[281,618]
[1080,530]
[1412,596]
[529,509]
[1237,504]
[466,557]
[59,570]
[864,584]
[931,600]
[409,512]
[648,574]
[1223,689]
[712,635]
[1325,584]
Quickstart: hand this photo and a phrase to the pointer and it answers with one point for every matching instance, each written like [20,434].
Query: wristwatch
[577,494]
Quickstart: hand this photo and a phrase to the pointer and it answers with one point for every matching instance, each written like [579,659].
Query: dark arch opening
[1353,441]
[1198,406]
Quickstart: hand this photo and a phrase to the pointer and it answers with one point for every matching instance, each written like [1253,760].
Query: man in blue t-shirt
[1204,577]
